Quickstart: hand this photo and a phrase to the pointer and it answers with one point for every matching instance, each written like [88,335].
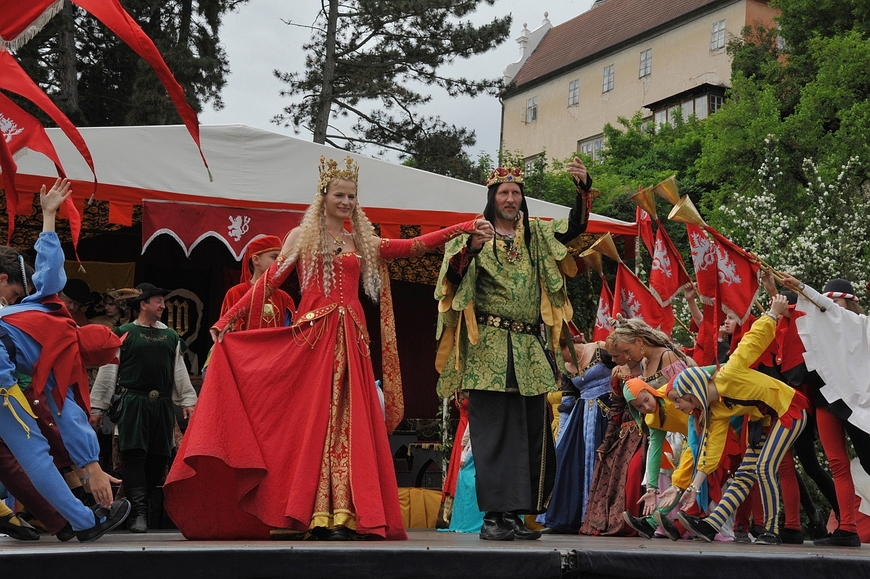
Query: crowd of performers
[648,442]
[627,433]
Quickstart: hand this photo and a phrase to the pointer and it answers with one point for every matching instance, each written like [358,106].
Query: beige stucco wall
[681,59]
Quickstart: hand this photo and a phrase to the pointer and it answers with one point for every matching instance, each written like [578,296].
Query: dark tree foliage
[375,62]
[97,80]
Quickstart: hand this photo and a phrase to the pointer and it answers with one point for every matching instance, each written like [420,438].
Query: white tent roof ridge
[254,165]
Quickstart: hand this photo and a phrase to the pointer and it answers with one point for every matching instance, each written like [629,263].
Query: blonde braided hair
[315,248]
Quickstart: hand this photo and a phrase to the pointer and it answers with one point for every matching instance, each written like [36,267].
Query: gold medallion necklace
[511,246]
[338,240]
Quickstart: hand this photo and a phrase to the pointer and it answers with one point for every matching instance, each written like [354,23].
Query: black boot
[138,521]
[520,530]
[495,528]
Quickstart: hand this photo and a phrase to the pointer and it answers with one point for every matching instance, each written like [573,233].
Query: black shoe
[756,531]
[66,533]
[495,528]
[792,536]
[698,526]
[742,537]
[138,521]
[515,523]
[768,538]
[643,528]
[839,538]
[21,531]
[117,514]
[339,534]
[668,526]
[319,533]
[816,527]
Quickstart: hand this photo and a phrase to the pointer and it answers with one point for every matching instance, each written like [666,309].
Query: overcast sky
[257,42]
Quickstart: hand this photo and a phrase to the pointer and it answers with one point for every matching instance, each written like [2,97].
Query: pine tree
[374,61]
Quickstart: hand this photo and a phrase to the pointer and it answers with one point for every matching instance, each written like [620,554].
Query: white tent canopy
[256,168]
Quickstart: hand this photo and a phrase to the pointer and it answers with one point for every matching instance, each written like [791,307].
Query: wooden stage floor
[426,555]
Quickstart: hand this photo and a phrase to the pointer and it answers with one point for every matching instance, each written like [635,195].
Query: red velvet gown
[289,432]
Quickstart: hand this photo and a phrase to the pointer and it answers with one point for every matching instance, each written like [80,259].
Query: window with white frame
[532,110]
[717,36]
[701,107]
[607,84]
[645,63]
[661,117]
[530,162]
[688,108]
[574,93]
[716,102]
[592,147]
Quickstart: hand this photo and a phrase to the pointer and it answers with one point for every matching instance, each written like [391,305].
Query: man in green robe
[152,376]
[496,292]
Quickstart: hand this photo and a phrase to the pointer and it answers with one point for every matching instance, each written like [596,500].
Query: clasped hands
[483,231]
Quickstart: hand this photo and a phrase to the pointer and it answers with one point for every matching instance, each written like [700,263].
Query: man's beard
[501,214]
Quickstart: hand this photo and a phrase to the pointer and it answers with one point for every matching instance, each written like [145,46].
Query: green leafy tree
[365,62]
[787,154]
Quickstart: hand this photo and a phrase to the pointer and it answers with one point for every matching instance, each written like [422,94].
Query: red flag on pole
[113,15]
[22,130]
[602,317]
[632,298]
[668,273]
[644,228]
[737,277]
[704,261]
[22,19]
[13,77]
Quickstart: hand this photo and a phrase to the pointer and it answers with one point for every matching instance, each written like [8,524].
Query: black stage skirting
[427,554]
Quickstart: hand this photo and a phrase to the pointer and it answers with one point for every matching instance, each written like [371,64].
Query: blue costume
[18,426]
[575,454]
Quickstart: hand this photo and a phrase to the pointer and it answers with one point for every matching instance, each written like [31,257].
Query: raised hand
[577,170]
[51,200]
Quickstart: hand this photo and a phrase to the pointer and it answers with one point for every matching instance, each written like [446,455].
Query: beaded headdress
[506,174]
[329,172]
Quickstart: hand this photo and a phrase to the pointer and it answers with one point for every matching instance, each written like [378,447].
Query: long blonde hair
[315,247]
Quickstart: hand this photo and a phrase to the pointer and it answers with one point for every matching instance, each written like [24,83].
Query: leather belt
[152,394]
[504,323]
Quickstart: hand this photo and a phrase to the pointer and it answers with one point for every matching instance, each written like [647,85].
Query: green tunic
[147,363]
[510,290]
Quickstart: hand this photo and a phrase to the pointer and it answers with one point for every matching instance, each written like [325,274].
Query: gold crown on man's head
[506,174]
[329,172]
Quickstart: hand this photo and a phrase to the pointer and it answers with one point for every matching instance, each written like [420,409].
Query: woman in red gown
[289,432]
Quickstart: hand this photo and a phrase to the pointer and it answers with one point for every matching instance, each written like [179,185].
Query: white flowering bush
[834,240]
[759,223]
[825,235]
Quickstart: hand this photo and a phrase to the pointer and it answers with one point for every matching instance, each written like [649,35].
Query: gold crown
[506,174]
[329,172]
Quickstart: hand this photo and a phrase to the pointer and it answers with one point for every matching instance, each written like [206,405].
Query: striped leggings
[760,465]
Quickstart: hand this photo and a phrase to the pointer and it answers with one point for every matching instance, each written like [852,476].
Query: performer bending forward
[289,431]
